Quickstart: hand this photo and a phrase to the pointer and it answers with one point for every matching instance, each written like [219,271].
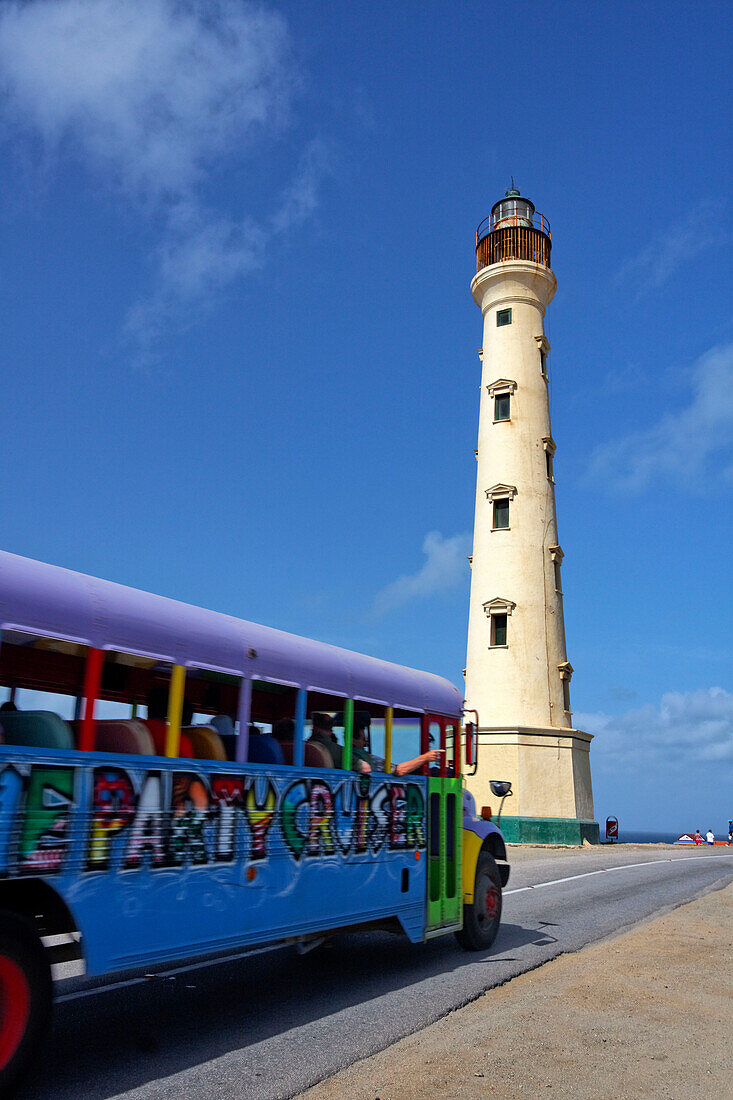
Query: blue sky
[239,345]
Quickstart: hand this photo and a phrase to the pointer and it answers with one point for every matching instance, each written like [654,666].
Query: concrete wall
[549,771]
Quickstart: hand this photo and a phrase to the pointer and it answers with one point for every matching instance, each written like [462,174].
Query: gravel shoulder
[643,1015]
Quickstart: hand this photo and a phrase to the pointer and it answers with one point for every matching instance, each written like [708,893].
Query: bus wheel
[481,919]
[25,998]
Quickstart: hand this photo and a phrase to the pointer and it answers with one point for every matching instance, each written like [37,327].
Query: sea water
[638,836]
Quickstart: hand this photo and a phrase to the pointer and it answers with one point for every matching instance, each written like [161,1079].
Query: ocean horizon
[660,836]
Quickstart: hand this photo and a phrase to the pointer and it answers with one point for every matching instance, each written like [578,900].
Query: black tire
[25,999]
[481,919]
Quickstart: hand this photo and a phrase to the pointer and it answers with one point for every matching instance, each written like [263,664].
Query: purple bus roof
[59,603]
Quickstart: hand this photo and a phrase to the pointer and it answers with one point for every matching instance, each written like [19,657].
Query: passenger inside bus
[322,734]
[362,722]
[53,674]
[283,732]
[359,737]
[224,726]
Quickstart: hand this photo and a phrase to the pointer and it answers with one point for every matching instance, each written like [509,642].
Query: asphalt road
[270,1025]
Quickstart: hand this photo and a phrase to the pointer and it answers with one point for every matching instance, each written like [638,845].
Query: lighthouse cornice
[501,385]
[501,492]
[516,281]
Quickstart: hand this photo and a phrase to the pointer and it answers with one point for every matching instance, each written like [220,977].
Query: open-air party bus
[161,796]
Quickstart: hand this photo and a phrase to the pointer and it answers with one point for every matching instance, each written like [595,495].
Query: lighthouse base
[549,830]
[549,769]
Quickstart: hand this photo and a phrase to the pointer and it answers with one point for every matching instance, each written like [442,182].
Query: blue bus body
[156,861]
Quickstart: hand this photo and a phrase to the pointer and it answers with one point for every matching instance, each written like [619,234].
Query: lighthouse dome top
[512,210]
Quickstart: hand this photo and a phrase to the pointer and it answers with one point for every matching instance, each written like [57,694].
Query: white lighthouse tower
[517,671]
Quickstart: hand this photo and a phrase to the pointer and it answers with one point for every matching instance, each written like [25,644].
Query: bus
[162,797]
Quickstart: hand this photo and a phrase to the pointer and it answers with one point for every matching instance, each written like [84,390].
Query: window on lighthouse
[502,406]
[549,465]
[498,630]
[501,514]
[566,695]
[503,317]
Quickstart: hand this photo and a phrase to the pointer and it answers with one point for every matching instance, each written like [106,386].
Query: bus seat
[205,742]
[317,756]
[287,749]
[128,735]
[159,731]
[40,728]
[224,726]
[264,749]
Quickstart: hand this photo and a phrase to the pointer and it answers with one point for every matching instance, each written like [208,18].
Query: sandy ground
[644,1015]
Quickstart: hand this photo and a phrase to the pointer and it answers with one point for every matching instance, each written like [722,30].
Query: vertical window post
[92,684]
[469,744]
[455,728]
[388,718]
[299,748]
[243,715]
[444,747]
[424,739]
[348,732]
[175,710]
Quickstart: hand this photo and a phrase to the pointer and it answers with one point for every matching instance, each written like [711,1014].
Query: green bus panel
[445,832]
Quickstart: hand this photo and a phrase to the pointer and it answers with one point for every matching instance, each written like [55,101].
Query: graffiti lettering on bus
[125,819]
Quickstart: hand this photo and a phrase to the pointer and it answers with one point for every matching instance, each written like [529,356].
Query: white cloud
[301,197]
[199,256]
[685,729]
[680,445]
[445,567]
[151,89]
[666,768]
[154,97]
[657,262]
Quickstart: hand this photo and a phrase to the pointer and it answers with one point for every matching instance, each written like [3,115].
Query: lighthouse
[518,677]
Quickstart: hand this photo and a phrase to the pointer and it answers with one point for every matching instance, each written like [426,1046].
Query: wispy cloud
[153,97]
[686,726]
[445,568]
[668,250]
[301,196]
[680,445]
[202,253]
